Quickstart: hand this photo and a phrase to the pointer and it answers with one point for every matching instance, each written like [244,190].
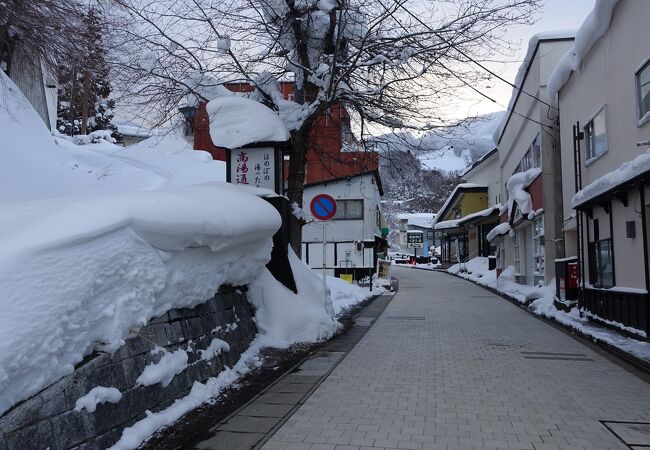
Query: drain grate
[405,317]
[550,356]
[632,434]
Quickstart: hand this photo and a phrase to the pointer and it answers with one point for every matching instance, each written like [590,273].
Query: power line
[472,59]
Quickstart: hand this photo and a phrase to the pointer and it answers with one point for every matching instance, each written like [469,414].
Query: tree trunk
[296,182]
[84,104]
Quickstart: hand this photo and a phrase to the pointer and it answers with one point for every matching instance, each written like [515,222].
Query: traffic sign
[323,207]
[415,239]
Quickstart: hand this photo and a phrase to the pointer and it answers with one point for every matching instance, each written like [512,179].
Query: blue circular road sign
[323,207]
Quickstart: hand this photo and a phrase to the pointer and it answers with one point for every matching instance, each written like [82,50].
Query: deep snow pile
[540,300]
[285,318]
[95,239]
[237,121]
[344,295]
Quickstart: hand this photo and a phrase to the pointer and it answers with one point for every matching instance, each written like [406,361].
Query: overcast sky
[556,15]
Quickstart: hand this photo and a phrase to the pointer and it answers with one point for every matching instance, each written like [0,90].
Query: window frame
[642,117]
[595,267]
[538,247]
[341,206]
[516,247]
[591,158]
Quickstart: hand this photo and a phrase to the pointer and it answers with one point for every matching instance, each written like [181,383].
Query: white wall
[487,174]
[346,233]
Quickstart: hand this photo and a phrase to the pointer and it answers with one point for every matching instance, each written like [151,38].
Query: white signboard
[253,166]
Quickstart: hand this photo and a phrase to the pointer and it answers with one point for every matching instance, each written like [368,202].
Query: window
[538,245]
[525,162]
[643,91]
[516,262]
[349,210]
[536,150]
[601,263]
[596,135]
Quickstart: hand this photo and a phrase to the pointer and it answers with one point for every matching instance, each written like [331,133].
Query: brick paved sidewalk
[451,366]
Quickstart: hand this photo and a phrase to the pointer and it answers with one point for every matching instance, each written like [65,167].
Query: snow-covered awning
[488,212]
[500,230]
[625,175]
[447,225]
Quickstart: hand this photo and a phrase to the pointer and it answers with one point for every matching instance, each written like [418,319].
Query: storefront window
[516,262]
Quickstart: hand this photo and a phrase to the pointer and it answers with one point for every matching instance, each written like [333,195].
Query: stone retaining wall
[48,419]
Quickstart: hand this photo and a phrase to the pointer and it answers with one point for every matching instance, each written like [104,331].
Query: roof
[447,224]
[478,162]
[374,172]
[422,220]
[488,212]
[522,74]
[460,188]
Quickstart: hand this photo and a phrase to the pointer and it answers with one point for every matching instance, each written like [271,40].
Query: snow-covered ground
[540,301]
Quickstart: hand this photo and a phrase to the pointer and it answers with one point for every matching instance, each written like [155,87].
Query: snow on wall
[592,29]
[236,122]
[97,396]
[625,172]
[113,237]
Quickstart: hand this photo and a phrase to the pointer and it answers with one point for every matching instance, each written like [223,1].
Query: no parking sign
[323,207]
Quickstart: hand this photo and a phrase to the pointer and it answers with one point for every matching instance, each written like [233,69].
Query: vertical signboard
[257,167]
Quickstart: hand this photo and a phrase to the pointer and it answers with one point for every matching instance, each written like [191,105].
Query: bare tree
[393,64]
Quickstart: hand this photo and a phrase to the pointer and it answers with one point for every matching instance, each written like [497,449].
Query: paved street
[451,366]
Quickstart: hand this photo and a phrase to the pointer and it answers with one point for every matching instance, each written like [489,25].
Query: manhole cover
[549,356]
[632,434]
[405,317]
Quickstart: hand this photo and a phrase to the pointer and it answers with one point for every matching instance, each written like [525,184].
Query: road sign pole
[324,265]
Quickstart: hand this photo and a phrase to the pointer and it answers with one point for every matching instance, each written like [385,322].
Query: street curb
[638,363]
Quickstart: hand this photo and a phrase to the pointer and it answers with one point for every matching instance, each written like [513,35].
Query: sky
[555,15]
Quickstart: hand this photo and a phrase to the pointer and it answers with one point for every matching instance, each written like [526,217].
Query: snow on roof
[487,212]
[479,161]
[131,129]
[592,29]
[499,230]
[236,122]
[447,224]
[516,186]
[458,187]
[625,172]
[523,71]
[423,220]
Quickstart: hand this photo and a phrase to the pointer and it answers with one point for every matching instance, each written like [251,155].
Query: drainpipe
[644,222]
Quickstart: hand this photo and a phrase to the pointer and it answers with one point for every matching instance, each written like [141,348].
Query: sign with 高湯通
[253,167]
[415,239]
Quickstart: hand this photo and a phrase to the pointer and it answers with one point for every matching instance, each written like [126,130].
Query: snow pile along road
[95,239]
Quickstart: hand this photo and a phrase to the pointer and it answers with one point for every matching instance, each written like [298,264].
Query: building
[354,234]
[605,135]
[418,222]
[465,200]
[529,168]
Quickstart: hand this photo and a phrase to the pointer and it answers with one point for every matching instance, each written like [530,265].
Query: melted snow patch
[96,396]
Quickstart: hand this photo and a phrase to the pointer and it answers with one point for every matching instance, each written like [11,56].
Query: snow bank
[236,122]
[96,396]
[516,186]
[95,239]
[625,172]
[133,436]
[344,295]
[593,28]
[164,371]
[285,318]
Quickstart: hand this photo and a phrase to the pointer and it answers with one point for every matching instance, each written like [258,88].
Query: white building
[353,232]
[605,135]
[417,222]
[528,146]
